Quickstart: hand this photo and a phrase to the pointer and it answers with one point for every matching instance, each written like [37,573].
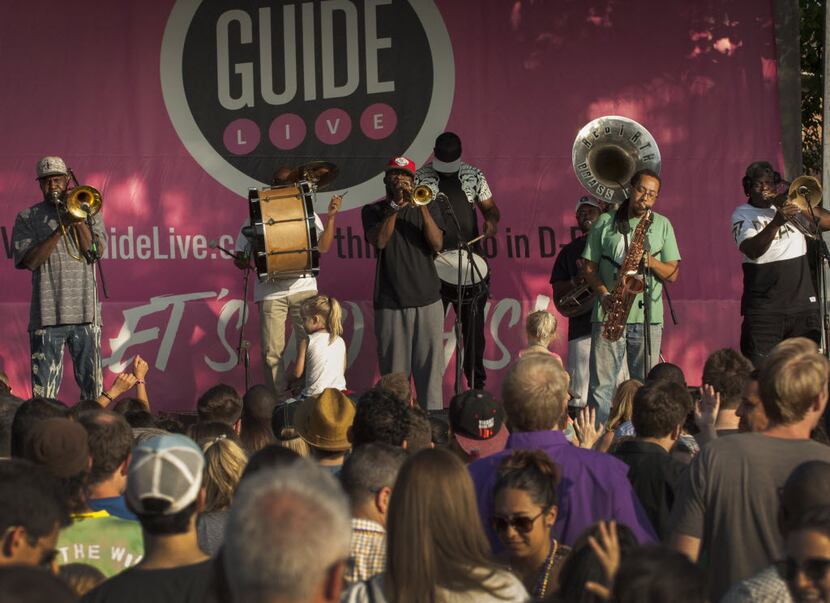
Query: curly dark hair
[381,417]
[728,372]
[220,403]
[658,407]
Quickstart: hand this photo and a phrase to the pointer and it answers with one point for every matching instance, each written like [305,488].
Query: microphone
[803,191]
[55,196]
[443,196]
[85,207]
[214,244]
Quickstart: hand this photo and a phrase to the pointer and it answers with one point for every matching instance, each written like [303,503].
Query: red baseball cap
[403,164]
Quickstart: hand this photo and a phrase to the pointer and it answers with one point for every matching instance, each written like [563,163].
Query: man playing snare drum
[465,187]
[280,298]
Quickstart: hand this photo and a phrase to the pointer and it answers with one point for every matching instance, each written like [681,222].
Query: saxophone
[629,283]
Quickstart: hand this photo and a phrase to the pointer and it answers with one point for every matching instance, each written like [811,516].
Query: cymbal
[318,173]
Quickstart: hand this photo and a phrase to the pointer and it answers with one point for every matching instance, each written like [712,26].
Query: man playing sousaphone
[779,299]
[623,238]
[409,315]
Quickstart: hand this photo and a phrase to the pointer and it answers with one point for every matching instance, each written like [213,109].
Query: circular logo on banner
[255,84]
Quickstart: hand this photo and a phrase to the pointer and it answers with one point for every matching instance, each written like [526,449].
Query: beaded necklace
[544,580]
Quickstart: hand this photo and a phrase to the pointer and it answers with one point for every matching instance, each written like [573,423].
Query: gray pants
[410,342]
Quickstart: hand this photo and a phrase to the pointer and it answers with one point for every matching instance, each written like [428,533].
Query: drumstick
[476,240]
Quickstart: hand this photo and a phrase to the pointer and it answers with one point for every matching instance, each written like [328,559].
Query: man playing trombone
[779,299]
[409,314]
[60,250]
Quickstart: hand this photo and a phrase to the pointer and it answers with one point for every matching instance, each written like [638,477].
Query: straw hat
[323,421]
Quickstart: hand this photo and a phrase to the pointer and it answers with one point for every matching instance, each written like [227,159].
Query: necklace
[543,581]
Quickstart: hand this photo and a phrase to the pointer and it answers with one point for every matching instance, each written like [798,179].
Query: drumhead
[446,264]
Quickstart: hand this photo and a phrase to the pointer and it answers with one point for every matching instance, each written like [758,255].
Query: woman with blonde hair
[436,548]
[619,424]
[224,463]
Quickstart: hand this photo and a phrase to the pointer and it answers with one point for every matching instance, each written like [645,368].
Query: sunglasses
[815,569]
[520,523]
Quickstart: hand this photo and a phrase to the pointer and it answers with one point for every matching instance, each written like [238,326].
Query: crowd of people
[609,480]
[718,493]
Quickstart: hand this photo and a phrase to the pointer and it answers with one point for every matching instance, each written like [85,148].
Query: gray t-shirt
[729,500]
[63,288]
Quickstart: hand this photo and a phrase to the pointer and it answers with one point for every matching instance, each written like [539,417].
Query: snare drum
[473,281]
[285,237]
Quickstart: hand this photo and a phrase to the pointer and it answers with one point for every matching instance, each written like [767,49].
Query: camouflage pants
[84,343]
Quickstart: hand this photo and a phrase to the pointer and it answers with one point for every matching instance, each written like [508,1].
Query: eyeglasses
[647,194]
[815,568]
[520,523]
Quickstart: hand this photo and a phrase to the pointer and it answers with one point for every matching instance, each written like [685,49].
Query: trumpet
[422,195]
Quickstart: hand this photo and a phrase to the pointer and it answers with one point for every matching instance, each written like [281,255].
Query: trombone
[82,203]
[806,193]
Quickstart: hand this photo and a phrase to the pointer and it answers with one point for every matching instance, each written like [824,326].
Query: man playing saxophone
[779,299]
[615,241]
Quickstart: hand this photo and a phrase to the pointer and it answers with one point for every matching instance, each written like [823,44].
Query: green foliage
[812,82]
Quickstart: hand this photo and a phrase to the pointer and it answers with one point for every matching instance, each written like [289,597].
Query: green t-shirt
[605,244]
[101,540]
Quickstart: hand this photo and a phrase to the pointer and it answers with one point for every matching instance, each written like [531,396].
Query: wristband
[107,396]
[139,382]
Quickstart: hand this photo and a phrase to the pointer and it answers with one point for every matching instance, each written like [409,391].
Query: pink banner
[174,109]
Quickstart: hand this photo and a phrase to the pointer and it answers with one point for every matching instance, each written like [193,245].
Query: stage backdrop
[174,109]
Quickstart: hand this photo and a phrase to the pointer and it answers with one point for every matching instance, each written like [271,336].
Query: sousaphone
[606,153]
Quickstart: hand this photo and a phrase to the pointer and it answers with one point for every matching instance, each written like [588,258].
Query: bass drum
[473,281]
[284,234]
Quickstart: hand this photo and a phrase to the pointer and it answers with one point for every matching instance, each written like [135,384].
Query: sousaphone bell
[608,151]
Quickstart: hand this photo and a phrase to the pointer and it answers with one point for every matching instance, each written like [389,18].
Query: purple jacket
[594,486]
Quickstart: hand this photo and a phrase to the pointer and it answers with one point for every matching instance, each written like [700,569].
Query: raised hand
[585,427]
[140,368]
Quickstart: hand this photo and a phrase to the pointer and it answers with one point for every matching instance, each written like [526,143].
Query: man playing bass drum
[465,187]
[606,250]
[565,278]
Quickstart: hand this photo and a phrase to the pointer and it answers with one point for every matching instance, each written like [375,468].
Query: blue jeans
[84,343]
[607,358]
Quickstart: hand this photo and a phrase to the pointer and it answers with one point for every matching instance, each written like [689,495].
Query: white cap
[587,200]
[51,166]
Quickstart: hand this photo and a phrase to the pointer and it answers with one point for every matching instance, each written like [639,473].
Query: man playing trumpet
[779,299]
[409,314]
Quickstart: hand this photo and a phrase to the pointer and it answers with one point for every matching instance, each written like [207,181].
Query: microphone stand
[645,271]
[477,278]
[459,296]
[822,260]
[242,348]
